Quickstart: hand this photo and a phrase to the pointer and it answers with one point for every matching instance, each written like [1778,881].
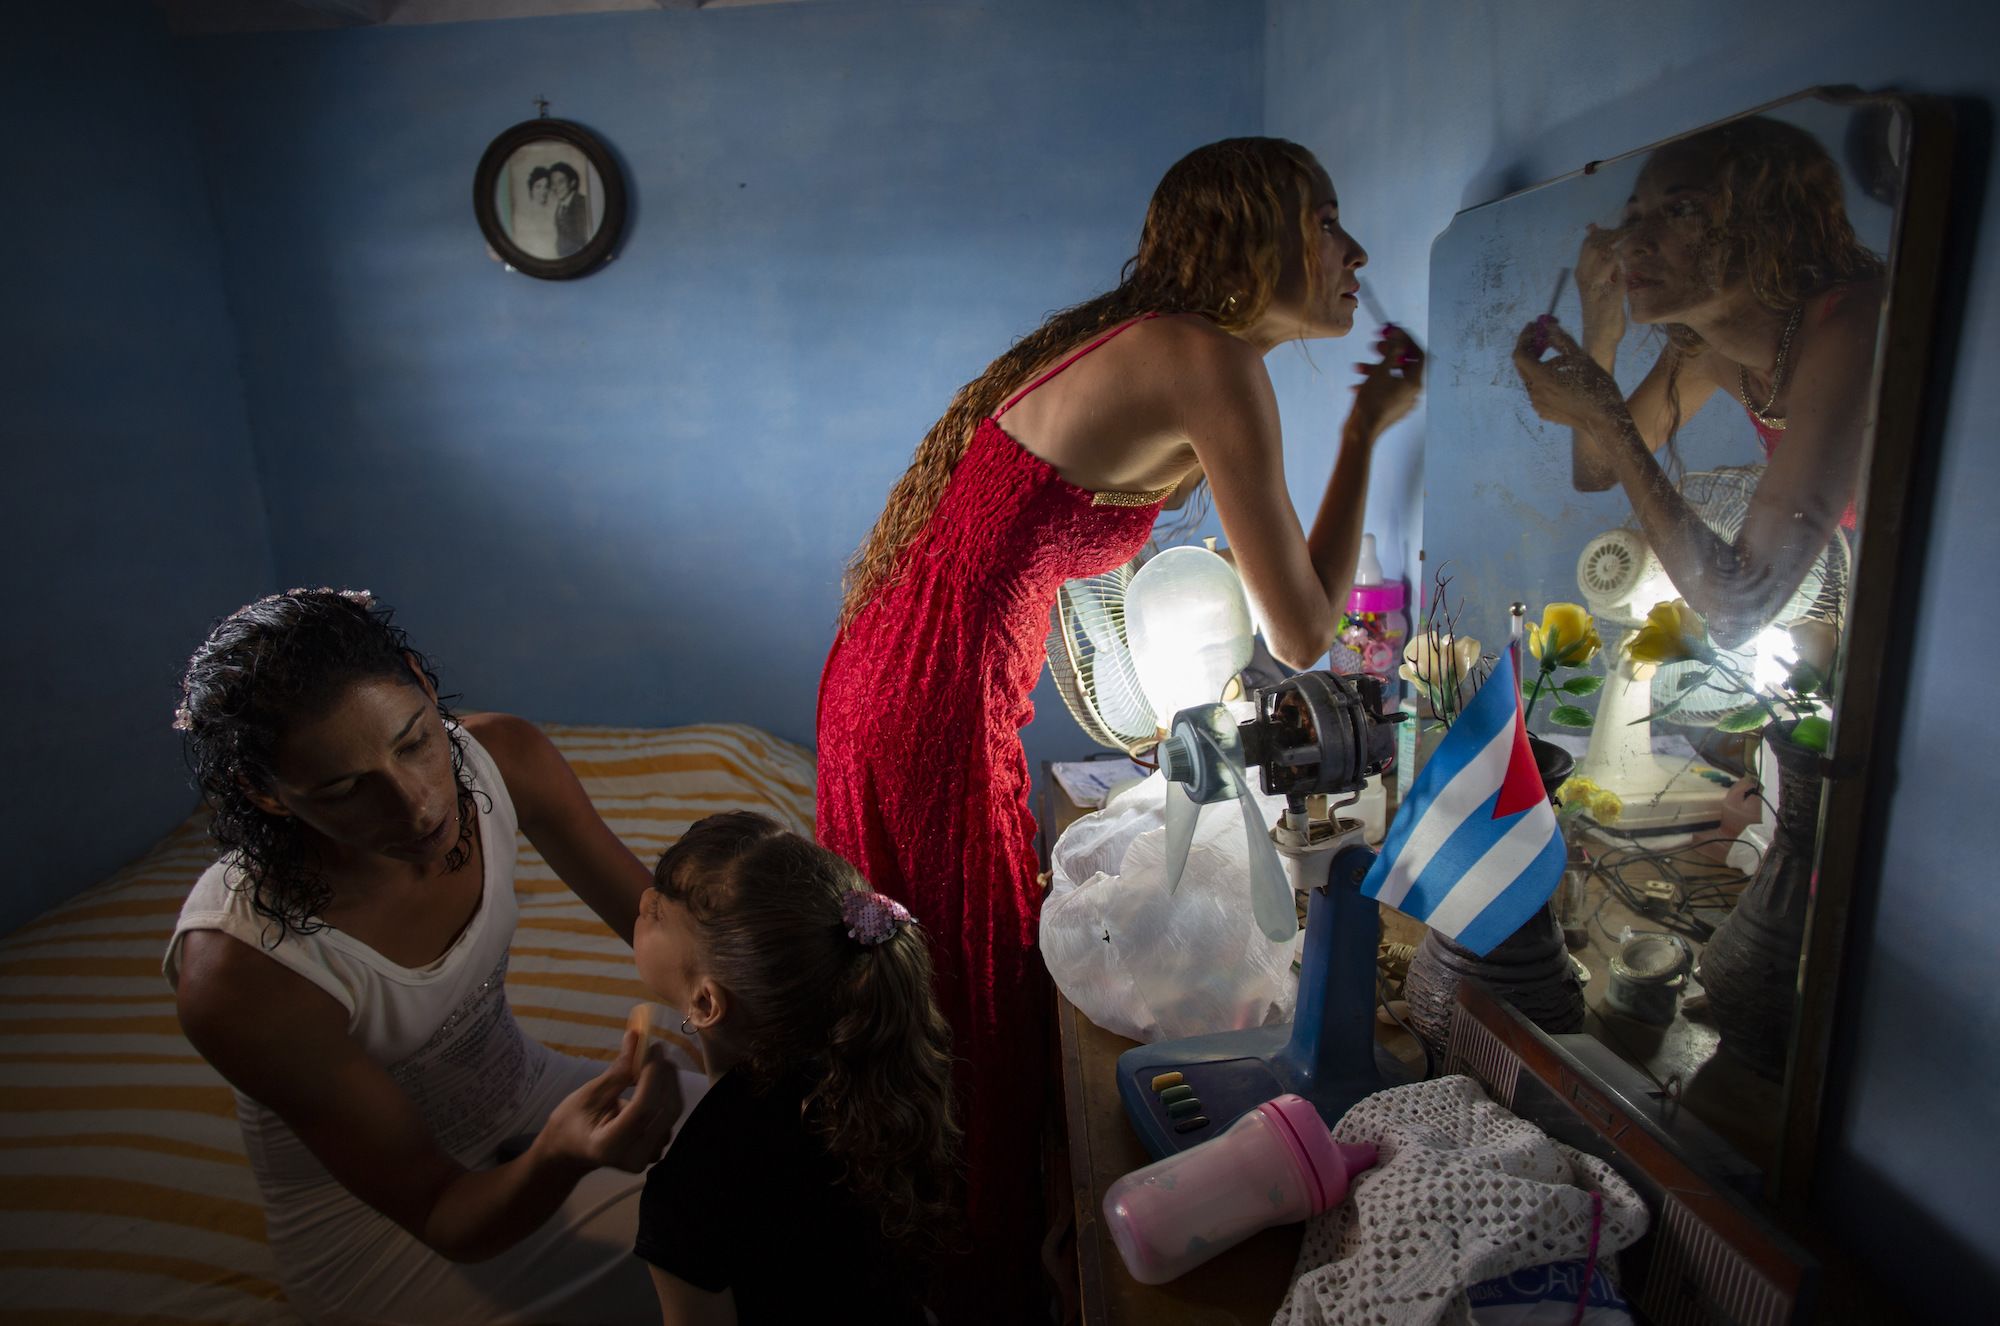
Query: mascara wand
[1542,324]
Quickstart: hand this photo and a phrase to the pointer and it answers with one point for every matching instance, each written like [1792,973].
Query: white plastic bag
[1153,966]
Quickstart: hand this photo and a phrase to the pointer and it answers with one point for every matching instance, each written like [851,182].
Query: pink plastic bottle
[1274,1165]
[1375,625]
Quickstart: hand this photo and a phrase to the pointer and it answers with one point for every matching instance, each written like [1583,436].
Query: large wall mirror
[1677,388]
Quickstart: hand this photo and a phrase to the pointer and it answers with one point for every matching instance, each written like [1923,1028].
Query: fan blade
[1270,890]
[1182,813]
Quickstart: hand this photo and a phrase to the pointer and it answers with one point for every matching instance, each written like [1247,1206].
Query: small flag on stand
[1474,849]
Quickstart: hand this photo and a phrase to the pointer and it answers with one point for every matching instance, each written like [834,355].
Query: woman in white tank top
[343,967]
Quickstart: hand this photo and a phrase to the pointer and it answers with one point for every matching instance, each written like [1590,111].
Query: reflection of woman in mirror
[1053,464]
[1736,242]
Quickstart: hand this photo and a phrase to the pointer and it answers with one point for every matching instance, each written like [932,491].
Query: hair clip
[872,918]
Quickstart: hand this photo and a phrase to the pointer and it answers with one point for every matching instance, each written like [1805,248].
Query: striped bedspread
[125,1196]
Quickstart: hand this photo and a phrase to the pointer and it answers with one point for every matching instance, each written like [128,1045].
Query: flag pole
[1517,612]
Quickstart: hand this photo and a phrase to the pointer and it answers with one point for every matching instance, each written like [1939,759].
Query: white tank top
[443,1032]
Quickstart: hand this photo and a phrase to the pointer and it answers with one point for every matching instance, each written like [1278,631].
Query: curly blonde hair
[1214,242]
[1777,221]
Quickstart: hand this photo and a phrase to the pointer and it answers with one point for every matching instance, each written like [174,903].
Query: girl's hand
[1600,283]
[595,1127]
[1389,387]
[1568,388]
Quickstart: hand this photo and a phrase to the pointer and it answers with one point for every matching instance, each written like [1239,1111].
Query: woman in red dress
[1108,408]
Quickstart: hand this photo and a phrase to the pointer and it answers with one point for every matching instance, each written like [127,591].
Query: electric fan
[1621,579]
[1314,735]
[1091,661]
[1176,630]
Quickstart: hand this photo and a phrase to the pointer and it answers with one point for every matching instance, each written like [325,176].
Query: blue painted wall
[1442,105]
[842,211]
[629,498]
[130,508]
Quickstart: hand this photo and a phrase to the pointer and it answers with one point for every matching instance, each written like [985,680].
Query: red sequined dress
[923,785]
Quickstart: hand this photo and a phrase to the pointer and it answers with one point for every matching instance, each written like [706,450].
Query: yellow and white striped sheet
[125,1196]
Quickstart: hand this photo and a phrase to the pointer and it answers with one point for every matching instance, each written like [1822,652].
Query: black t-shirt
[748,1199]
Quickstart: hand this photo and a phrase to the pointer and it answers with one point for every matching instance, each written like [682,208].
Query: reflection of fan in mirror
[1622,579]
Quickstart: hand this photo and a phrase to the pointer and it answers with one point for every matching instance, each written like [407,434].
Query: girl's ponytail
[884,1103]
[831,981]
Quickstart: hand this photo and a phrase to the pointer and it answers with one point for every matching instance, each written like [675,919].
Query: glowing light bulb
[1771,657]
[1189,628]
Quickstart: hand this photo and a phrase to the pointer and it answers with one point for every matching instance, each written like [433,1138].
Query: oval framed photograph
[549,199]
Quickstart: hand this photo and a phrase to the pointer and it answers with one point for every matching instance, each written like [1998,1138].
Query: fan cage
[1082,671]
[1721,498]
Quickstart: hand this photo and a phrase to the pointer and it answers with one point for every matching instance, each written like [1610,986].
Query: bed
[125,1196]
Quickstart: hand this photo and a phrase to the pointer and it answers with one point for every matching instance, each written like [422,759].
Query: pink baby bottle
[1275,1165]
[1375,625]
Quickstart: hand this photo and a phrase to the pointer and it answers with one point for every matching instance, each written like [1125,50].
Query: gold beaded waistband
[1133,499]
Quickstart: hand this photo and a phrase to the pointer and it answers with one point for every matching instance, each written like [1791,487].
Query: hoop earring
[686,1030]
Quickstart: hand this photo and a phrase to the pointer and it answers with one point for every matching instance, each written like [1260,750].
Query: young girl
[815,1175]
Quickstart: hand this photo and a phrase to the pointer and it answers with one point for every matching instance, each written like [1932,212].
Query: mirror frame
[1914,262]
[1850,768]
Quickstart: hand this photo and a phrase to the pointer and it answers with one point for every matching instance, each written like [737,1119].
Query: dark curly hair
[262,668]
[859,1020]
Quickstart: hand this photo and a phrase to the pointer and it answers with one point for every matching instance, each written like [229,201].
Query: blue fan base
[1328,1054]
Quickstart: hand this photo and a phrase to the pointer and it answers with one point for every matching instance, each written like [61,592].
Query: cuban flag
[1474,849]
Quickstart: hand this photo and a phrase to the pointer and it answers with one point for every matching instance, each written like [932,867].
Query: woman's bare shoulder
[496,729]
[1184,355]
[1838,334]
[1191,336]
[1854,309]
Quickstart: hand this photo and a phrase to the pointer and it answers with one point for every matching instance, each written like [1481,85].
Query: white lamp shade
[1188,625]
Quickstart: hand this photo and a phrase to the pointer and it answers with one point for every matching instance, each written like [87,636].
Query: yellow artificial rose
[1585,797]
[1568,635]
[1673,633]
[1577,791]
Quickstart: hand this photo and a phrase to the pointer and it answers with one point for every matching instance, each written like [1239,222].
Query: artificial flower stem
[1534,695]
[1749,687]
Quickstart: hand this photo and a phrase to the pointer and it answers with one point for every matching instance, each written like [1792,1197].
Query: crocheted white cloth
[1464,1191]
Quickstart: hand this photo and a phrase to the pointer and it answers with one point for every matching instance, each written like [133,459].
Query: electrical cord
[1696,880]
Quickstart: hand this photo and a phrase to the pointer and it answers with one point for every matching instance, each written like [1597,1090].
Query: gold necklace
[1776,422]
